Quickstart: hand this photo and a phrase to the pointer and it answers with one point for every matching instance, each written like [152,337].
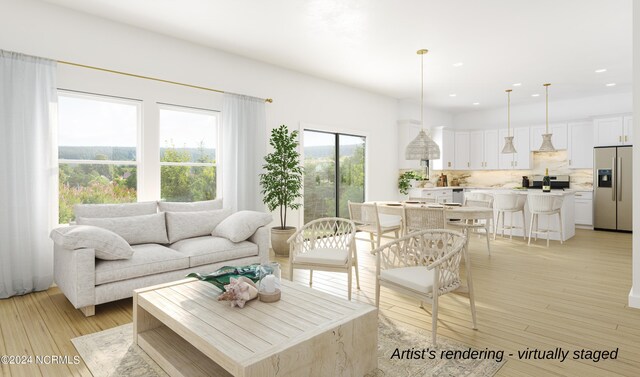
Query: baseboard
[589,227]
[634,300]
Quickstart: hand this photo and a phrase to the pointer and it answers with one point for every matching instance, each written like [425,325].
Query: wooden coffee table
[183,327]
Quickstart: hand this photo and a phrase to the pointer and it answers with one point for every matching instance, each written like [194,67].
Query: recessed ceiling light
[458,64]
[517,84]
[601,70]
[611,84]
[476,103]
[535,95]
[452,95]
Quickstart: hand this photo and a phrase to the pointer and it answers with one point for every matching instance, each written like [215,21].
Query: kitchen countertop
[499,189]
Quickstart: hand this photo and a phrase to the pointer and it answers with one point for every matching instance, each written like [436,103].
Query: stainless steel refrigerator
[612,188]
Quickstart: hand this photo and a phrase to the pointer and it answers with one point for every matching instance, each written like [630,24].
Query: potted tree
[282,183]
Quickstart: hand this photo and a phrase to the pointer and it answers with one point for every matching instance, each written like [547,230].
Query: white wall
[534,113]
[54,32]
[634,295]
[432,117]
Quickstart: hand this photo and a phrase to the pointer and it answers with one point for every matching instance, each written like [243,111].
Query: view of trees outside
[97,153]
[97,138]
[320,173]
[188,159]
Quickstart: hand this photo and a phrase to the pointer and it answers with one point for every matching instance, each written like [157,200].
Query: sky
[84,121]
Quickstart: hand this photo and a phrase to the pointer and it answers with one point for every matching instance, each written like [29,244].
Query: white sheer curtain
[28,172]
[244,131]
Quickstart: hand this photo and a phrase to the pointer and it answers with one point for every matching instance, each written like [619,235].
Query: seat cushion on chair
[210,249]
[147,259]
[389,221]
[417,278]
[323,256]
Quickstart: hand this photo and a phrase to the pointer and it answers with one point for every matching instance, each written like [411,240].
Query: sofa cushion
[115,210]
[147,259]
[206,205]
[182,225]
[134,229]
[209,249]
[241,225]
[107,245]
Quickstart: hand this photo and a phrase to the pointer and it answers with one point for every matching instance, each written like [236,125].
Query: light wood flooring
[572,296]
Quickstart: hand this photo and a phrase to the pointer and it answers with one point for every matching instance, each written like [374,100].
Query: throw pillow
[181,225]
[134,229]
[241,225]
[107,245]
[115,210]
[207,205]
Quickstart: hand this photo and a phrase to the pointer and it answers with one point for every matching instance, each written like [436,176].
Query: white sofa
[87,281]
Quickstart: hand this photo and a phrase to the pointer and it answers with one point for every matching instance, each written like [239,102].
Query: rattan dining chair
[326,244]
[423,265]
[368,219]
[422,218]
[476,199]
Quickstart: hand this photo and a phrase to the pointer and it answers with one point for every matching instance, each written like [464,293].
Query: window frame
[218,134]
[138,162]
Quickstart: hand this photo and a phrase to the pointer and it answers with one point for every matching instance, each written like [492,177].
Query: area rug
[110,353]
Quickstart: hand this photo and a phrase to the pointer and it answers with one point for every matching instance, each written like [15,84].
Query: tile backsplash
[556,162]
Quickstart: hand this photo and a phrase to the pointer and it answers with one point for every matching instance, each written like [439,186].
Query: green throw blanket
[222,276]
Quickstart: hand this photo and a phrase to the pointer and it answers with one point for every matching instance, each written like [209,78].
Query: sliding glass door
[334,173]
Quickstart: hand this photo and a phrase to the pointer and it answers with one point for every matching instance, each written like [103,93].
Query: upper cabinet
[445,140]
[461,150]
[522,142]
[559,138]
[613,131]
[628,130]
[492,149]
[521,160]
[580,148]
[407,131]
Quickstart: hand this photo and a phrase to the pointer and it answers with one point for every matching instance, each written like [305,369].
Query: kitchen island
[567,212]
[444,194]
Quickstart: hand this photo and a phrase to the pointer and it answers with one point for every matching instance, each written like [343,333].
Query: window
[333,173]
[97,150]
[188,141]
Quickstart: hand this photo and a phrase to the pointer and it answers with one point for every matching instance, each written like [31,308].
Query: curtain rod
[268,100]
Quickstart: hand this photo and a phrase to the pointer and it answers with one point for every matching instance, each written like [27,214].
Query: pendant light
[547,145]
[508,140]
[422,148]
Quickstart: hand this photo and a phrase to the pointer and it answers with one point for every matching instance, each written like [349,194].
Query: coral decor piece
[239,291]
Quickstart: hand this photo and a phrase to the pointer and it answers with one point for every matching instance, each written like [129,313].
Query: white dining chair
[368,218]
[326,244]
[423,265]
[422,218]
[475,199]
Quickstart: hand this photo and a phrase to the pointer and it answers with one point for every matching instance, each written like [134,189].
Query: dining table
[452,211]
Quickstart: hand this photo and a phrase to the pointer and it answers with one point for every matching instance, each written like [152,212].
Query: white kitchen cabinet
[407,131]
[584,208]
[505,160]
[522,159]
[445,139]
[461,151]
[580,147]
[612,131]
[559,138]
[492,149]
[476,150]
[628,130]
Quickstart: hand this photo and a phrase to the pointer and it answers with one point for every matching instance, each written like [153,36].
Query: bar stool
[512,204]
[544,204]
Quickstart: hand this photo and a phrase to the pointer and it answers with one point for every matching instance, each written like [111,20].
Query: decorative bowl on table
[452,204]
[412,202]
[394,204]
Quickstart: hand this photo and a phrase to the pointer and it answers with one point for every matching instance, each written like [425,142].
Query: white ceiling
[372,44]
